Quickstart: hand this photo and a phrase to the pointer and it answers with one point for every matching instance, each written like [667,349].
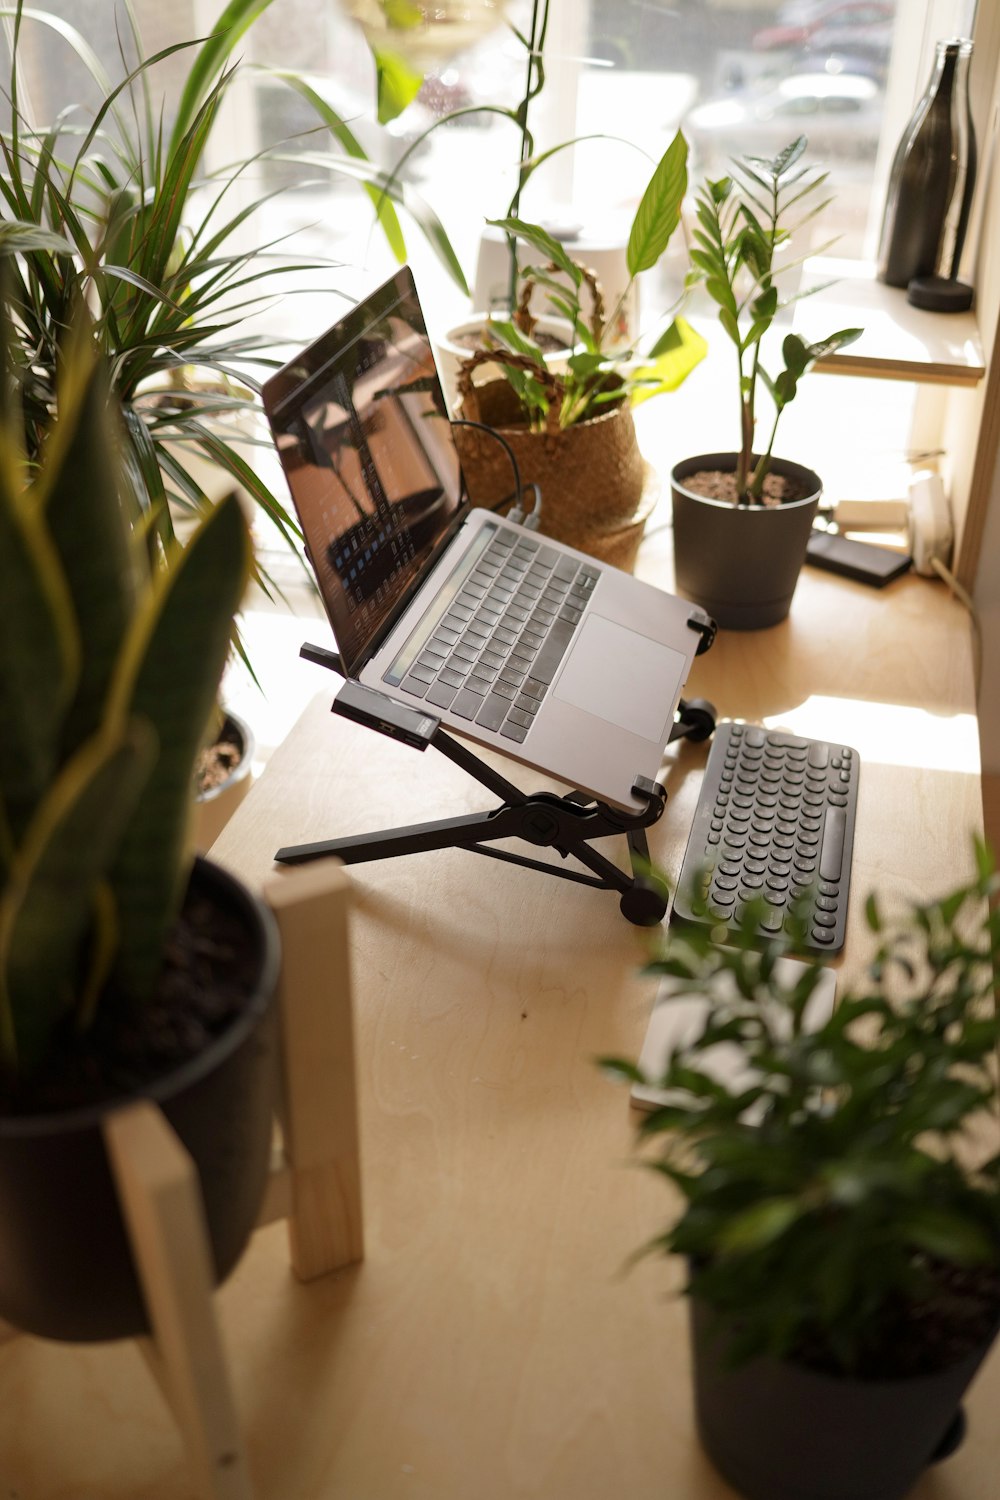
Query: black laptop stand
[568,824]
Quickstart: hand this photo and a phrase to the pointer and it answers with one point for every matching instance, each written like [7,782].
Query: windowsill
[900,342]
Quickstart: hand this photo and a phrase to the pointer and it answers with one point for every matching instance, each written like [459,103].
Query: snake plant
[109,671]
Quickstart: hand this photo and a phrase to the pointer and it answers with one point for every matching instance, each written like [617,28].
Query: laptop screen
[362,430]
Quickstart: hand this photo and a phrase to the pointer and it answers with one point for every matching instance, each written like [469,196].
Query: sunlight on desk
[889,733]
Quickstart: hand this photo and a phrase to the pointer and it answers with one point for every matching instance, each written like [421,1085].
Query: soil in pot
[720,484]
[203,1050]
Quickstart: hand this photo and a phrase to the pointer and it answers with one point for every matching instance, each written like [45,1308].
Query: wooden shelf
[900,342]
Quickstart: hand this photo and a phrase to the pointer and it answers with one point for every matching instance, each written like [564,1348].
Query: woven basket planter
[596,491]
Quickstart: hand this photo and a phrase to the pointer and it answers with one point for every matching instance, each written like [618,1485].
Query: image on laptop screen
[364,438]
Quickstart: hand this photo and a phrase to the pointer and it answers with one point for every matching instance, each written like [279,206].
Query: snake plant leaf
[39,649]
[168,674]
[659,209]
[82,458]
[47,903]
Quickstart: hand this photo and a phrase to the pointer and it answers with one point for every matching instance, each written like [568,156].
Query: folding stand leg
[161,1203]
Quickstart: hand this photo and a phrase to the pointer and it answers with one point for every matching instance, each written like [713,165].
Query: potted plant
[124,972]
[223,776]
[742,519]
[112,210]
[838,1196]
[571,428]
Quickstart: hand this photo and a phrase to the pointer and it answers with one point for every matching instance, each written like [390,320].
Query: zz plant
[108,678]
[745,223]
[835,1195]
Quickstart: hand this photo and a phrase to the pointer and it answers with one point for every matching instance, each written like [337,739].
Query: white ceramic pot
[463,339]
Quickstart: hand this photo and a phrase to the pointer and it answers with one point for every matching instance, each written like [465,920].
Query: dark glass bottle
[932,177]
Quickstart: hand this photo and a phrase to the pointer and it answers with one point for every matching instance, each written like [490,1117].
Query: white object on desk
[676,1022]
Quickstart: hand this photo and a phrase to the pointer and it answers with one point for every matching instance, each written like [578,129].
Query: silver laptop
[508,637]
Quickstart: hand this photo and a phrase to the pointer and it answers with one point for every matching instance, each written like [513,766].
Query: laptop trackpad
[623,677]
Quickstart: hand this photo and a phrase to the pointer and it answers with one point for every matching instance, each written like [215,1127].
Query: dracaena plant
[108,677]
[837,1176]
[744,241]
[597,371]
[111,209]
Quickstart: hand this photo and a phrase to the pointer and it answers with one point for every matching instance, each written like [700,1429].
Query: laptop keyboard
[494,653]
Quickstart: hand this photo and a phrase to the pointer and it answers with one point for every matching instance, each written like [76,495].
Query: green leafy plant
[742,232]
[108,675]
[115,212]
[595,373]
[834,1190]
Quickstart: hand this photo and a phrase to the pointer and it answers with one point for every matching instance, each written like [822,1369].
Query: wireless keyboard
[775,819]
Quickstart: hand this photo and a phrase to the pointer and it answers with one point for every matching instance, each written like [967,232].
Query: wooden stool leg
[319,1107]
[161,1203]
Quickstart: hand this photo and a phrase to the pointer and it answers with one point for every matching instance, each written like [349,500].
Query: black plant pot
[740,562]
[66,1270]
[778,1431]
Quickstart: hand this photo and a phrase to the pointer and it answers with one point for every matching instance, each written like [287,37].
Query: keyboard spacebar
[543,668]
[832,854]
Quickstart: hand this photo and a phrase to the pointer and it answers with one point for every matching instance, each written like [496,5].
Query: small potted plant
[125,970]
[571,428]
[837,1183]
[742,519]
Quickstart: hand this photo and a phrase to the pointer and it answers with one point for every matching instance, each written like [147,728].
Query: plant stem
[533,85]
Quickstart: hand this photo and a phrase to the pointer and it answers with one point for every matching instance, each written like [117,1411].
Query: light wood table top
[492,1344]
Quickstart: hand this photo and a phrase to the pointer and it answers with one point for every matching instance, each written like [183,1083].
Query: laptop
[508,637]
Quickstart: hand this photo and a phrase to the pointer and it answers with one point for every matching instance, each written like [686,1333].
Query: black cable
[482,427]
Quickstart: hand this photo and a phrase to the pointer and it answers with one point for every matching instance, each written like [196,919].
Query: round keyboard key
[780,867]
[829,888]
[760,840]
[713,838]
[753,879]
[767,799]
[836,762]
[785,827]
[824,919]
[822,935]
[728,867]
[782,841]
[777,886]
[717,824]
[837,800]
[754,866]
[827,903]
[723,898]
[725,883]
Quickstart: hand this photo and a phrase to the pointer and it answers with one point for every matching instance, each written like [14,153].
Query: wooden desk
[491,1345]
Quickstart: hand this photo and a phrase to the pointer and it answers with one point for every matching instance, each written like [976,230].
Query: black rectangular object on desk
[775,819]
[865,562]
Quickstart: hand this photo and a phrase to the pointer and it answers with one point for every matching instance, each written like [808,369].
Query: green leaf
[341,132]
[168,673]
[541,240]
[659,210]
[760,1225]
[234,20]
[397,84]
[48,902]
[671,361]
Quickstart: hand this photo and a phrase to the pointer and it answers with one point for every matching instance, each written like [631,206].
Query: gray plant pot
[740,563]
[778,1431]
